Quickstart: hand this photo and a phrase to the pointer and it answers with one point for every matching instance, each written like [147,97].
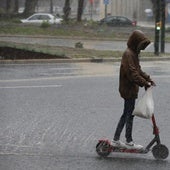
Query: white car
[39,18]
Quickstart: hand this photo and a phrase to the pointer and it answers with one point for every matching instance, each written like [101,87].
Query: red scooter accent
[155,128]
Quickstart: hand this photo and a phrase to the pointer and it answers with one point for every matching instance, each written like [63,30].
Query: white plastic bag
[145,106]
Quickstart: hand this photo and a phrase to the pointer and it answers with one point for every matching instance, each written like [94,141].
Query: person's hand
[153,83]
[148,84]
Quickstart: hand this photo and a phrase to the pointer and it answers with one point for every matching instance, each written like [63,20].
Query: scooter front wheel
[103,148]
[160,151]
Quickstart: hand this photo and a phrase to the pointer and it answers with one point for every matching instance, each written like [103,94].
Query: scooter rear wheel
[160,151]
[103,148]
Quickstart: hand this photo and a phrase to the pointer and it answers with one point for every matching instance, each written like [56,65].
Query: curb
[28,61]
[92,60]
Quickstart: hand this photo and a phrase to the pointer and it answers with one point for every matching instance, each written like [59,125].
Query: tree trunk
[12,6]
[154,3]
[16,6]
[66,10]
[30,6]
[9,6]
[80,10]
[51,6]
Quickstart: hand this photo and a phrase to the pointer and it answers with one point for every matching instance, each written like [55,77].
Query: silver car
[39,18]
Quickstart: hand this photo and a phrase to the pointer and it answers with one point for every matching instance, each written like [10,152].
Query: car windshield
[44,17]
[40,17]
[122,19]
[35,17]
[110,18]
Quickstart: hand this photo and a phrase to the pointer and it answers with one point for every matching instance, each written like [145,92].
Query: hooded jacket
[131,76]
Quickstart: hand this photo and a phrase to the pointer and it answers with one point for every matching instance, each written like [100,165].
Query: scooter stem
[155,128]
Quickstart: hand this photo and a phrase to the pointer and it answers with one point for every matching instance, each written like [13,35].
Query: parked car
[117,21]
[39,18]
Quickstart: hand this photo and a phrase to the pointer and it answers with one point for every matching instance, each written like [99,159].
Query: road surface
[52,116]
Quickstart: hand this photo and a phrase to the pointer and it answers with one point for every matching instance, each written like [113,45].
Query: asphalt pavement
[52,116]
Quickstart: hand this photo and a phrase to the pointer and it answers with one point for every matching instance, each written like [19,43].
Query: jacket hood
[138,41]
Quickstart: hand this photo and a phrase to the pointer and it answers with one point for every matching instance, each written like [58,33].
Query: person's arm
[147,77]
[135,75]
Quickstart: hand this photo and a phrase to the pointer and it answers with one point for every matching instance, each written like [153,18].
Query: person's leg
[129,124]
[130,104]
[121,124]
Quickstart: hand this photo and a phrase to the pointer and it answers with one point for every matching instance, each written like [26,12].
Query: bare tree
[51,6]
[8,5]
[12,6]
[80,10]
[30,6]
[154,6]
[16,6]
[66,10]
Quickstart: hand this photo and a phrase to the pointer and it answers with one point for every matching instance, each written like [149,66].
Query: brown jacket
[131,75]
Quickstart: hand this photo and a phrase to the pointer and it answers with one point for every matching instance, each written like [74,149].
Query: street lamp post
[163,26]
[157,27]
[91,9]
[105,10]
[106,2]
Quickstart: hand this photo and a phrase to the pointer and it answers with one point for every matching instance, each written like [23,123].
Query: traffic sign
[106,2]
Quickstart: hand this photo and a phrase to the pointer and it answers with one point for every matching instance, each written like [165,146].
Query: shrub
[79,45]
[45,24]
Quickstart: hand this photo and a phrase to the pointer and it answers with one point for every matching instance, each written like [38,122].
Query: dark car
[117,21]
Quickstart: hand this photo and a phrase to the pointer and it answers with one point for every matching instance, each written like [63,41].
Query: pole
[163,26]
[51,6]
[157,29]
[91,10]
[105,10]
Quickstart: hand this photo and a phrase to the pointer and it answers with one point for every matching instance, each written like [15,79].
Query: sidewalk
[94,44]
[146,24]
[81,60]
[150,24]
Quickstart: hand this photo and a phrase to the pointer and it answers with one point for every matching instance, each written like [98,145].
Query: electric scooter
[159,151]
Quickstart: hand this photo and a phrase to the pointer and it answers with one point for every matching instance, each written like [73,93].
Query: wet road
[88,44]
[53,114]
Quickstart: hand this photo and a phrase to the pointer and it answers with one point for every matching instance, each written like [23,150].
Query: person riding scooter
[130,79]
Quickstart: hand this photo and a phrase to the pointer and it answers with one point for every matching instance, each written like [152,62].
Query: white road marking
[71,77]
[56,78]
[22,87]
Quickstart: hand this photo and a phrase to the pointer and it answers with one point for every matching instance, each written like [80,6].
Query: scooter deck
[128,150]
[111,148]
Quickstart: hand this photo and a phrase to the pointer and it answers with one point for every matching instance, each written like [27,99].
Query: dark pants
[126,119]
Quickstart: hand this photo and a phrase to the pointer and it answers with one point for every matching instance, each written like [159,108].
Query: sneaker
[132,145]
[118,144]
